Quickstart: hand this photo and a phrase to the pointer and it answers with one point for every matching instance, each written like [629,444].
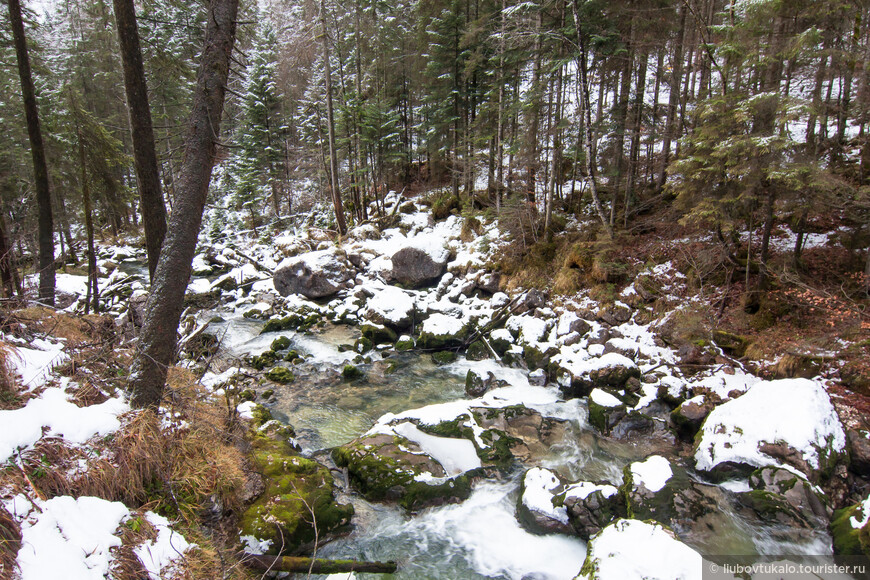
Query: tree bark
[144,153]
[673,99]
[37,151]
[157,341]
[587,120]
[330,122]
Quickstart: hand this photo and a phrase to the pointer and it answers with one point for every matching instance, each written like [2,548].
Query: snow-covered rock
[535,509]
[421,262]
[313,275]
[784,422]
[590,506]
[632,549]
[391,307]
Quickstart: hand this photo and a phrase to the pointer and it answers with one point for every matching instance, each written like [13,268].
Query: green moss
[247,395]
[260,362]
[350,372]
[377,333]
[293,357]
[261,414]
[455,428]
[281,375]
[280,343]
[443,357]
[477,351]
[295,487]
[499,451]
[404,345]
[268,394]
[363,345]
[849,541]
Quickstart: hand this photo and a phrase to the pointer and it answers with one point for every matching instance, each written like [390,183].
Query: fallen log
[263,563]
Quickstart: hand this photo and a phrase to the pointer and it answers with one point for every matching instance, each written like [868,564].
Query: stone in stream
[415,266]
[782,496]
[280,517]
[442,331]
[314,274]
[590,506]
[392,307]
[577,378]
[851,529]
[535,506]
[386,467]
[689,416]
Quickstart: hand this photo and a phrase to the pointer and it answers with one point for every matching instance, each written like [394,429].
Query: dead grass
[10,542]
[188,472]
[10,398]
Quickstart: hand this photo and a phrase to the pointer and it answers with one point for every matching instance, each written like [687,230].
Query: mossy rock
[281,375]
[227,284]
[362,345]
[477,351]
[680,502]
[849,540]
[443,357]
[442,341]
[384,468]
[535,358]
[403,345]
[295,487]
[247,395]
[261,414]
[733,344]
[350,372]
[264,360]
[774,508]
[292,356]
[799,493]
[280,343]
[268,394]
[377,333]
[604,418]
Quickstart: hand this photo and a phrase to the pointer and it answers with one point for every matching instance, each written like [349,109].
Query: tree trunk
[315,566]
[144,153]
[37,151]
[673,99]
[587,119]
[157,341]
[93,293]
[6,263]
[330,125]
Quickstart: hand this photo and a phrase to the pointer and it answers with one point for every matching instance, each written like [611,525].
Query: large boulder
[419,264]
[313,275]
[441,331]
[295,486]
[785,422]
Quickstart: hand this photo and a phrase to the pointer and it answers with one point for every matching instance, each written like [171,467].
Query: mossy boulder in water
[782,496]
[441,331]
[281,375]
[851,530]
[391,468]
[378,333]
[605,410]
[536,509]
[656,489]
[295,487]
[590,506]
[578,378]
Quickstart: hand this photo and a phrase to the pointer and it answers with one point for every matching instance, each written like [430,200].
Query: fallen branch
[315,566]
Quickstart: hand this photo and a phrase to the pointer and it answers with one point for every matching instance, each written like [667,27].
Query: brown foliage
[10,542]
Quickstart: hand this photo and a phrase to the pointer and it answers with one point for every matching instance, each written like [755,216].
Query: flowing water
[480,537]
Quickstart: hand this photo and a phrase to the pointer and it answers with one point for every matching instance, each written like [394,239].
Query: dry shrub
[10,542]
[126,565]
[9,396]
